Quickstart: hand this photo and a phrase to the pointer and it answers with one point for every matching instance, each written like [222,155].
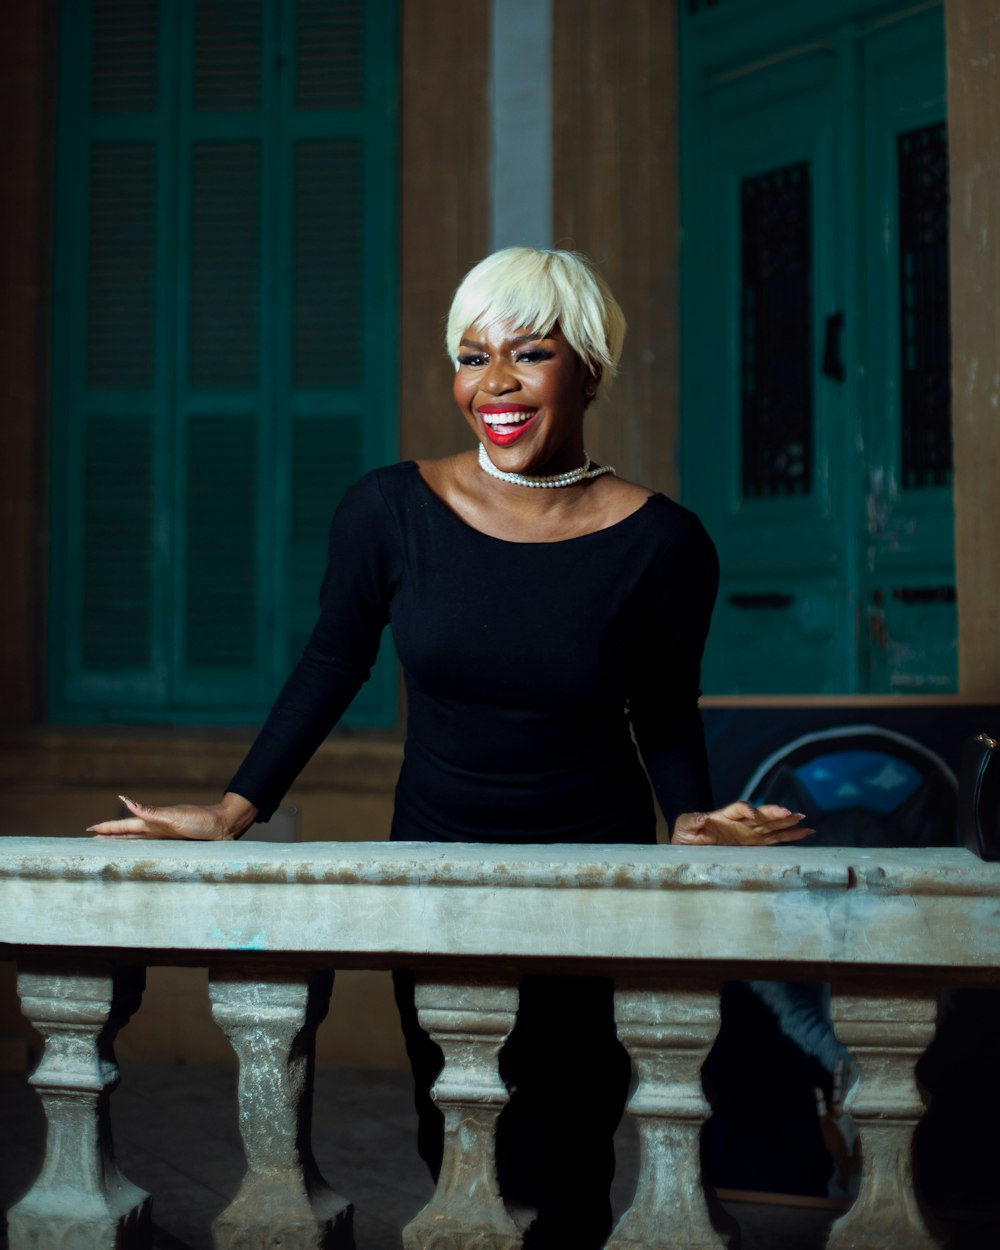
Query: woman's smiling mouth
[505,423]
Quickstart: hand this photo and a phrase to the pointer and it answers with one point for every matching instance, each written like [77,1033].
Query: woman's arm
[663,705]
[363,561]
[665,714]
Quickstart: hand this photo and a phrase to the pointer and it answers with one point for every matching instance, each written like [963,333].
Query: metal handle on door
[924,594]
[833,364]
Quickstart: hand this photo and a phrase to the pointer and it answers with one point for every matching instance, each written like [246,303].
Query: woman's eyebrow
[515,342]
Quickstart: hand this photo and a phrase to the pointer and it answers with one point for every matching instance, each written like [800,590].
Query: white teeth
[506,418]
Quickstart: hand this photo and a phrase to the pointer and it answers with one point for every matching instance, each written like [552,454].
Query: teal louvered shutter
[225,267]
[108,559]
[340,213]
[225,143]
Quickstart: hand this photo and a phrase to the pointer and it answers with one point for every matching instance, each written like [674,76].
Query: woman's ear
[591,385]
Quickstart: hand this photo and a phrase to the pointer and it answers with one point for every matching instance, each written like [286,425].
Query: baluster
[81,1200]
[668,1030]
[886,1035]
[470,1023]
[270,1015]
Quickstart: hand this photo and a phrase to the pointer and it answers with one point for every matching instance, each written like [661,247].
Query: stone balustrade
[84,918]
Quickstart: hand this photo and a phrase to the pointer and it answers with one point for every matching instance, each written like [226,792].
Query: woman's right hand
[740,824]
[218,822]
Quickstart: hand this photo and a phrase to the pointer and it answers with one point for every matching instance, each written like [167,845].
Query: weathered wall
[444,206]
[973,34]
[25,57]
[614,149]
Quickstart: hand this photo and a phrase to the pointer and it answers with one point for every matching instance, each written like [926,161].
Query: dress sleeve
[664,707]
[362,571]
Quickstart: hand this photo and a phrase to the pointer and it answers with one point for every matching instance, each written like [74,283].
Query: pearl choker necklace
[571,478]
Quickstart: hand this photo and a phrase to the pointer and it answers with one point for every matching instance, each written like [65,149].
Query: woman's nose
[499,378]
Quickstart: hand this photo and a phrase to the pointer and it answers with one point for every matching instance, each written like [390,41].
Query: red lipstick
[504,440]
[502,433]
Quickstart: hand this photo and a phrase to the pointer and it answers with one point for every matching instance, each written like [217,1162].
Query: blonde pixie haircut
[536,288]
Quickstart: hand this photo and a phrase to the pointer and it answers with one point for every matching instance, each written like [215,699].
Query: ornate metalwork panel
[925,346]
[776,333]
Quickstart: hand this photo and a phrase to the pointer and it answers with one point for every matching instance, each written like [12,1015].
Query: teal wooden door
[909,611]
[225,272]
[809,339]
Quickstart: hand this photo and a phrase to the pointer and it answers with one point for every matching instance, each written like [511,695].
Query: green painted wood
[909,570]
[821,90]
[224,287]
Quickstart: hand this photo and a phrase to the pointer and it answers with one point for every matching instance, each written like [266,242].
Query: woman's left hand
[740,824]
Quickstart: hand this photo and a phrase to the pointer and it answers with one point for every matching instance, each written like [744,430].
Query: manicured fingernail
[89,829]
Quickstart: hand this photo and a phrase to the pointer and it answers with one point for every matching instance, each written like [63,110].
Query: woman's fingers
[740,824]
[771,811]
[741,810]
[120,828]
[139,809]
[143,822]
[791,835]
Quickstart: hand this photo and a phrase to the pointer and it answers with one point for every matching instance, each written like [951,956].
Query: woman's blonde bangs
[524,286]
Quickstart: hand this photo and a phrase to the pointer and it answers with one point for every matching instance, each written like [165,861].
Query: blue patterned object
[868,779]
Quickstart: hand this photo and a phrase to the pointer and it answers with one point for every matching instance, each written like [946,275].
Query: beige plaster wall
[973,35]
[444,205]
[614,146]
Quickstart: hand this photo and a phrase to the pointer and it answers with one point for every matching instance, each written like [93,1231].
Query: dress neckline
[513,542]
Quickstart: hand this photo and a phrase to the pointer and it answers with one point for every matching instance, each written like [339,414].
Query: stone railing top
[932,870]
[375,902]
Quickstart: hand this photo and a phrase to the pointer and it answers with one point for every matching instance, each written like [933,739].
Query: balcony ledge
[373,902]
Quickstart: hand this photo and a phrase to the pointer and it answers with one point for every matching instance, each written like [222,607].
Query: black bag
[979,796]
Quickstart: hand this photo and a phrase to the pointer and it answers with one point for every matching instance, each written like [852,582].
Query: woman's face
[523,394]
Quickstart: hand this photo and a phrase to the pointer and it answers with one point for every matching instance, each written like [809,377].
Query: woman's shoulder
[370,503]
[392,479]
[661,512]
[675,514]
[386,484]
[676,536]
[387,476]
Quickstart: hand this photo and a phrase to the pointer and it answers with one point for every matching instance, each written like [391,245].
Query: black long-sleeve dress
[526,665]
[532,671]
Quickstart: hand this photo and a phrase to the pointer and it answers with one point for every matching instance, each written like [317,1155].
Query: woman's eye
[534,356]
[473,359]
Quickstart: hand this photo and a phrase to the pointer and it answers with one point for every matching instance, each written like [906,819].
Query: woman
[549,616]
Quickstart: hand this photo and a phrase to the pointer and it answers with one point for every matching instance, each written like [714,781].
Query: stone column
[270,1014]
[886,1035]
[470,1022]
[80,1200]
[668,1028]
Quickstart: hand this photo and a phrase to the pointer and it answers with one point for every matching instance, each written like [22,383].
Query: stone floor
[176,1135]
